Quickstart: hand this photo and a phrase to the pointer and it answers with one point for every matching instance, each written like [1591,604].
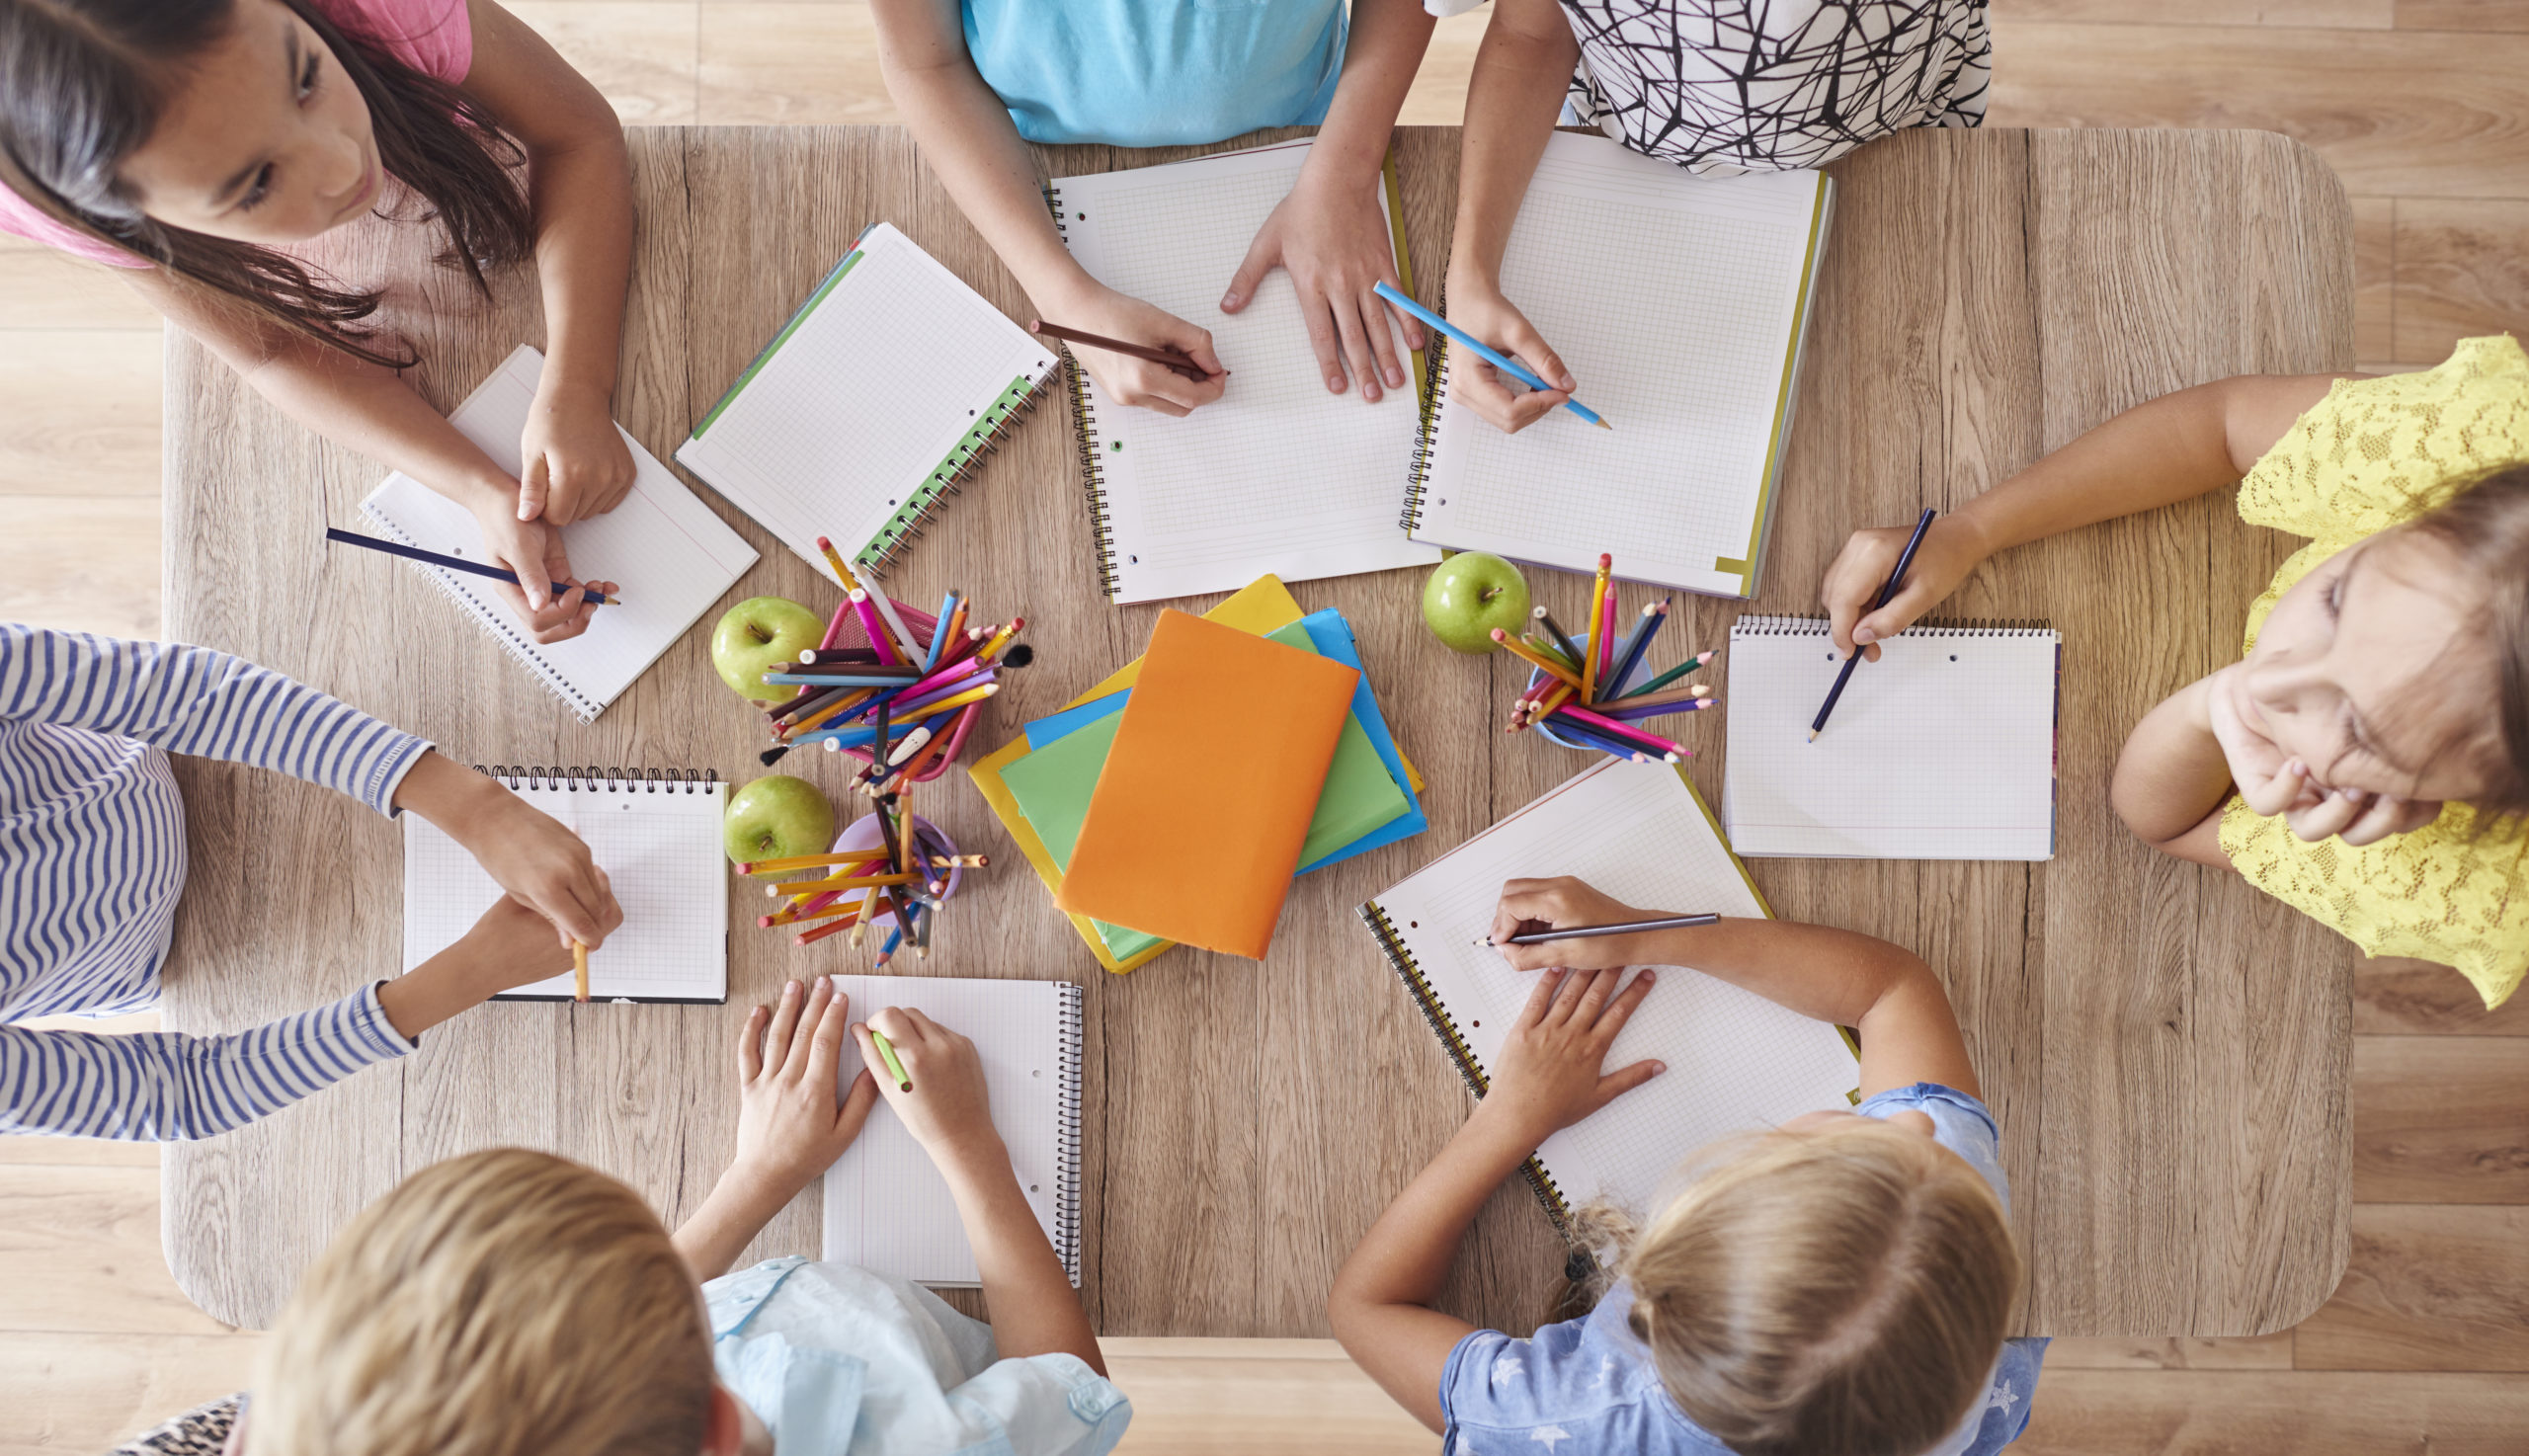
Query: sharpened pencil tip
[1604,424]
[1813,735]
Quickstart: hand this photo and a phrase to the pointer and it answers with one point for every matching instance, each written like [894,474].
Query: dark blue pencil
[454,563]
[1629,652]
[1896,579]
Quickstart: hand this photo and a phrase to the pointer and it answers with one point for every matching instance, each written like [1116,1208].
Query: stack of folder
[1175,801]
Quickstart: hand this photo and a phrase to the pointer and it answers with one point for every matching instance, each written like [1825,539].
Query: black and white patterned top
[1729,86]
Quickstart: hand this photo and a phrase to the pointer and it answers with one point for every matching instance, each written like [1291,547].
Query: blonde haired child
[2367,759]
[512,1303]
[1839,1286]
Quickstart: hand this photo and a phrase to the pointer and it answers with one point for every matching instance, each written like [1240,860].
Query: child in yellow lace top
[2367,760]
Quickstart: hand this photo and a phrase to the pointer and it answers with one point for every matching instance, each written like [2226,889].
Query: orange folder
[1195,828]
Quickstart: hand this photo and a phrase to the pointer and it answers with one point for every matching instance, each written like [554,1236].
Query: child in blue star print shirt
[1838,1286]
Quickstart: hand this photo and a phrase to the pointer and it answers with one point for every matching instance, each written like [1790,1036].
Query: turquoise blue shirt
[1157,72]
[837,1361]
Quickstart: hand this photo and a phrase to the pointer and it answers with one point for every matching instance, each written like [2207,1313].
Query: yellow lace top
[2376,453]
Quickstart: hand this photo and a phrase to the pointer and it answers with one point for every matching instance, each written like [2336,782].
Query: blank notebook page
[659,848]
[1675,303]
[1736,1062]
[887,1208]
[666,550]
[1277,475]
[1944,748]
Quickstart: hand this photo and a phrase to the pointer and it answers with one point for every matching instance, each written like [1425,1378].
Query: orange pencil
[837,882]
[579,971]
[1534,658]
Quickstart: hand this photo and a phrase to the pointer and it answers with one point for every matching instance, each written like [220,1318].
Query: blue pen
[1499,361]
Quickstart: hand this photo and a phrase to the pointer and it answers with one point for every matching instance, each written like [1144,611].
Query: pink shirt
[433,37]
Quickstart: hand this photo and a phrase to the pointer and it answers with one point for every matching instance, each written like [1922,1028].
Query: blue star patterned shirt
[1588,1385]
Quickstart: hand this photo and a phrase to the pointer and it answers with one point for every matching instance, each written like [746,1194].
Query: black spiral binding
[568,779]
[1068,998]
[1446,1027]
[1084,423]
[451,585]
[1418,472]
[1973,626]
[909,523]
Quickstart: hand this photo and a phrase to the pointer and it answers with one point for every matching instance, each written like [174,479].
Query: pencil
[1629,657]
[1585,932]
[1896,579]
[807,862]
[1602,644]
[458,563]
[1597,608]
[1700,660]
[887,1054]
[830,927]
[834,558]
[1178,359]
[1500,362]
[902,640]
[938,633]
[1534,658]
[868,913]
[1000,639]
[837,882]
[579,971]
[877,631]
[1613,728]
[1554,630]
[1633,752]
[1656,710]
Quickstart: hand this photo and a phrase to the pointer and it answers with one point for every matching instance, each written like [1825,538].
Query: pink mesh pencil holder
[848,633]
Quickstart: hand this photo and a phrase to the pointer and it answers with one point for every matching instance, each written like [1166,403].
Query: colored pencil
[1656,710]
[1688,694]
[1534,658]
[1000,639]
[794,915]
[1629,657]
[837,882]
[1501,362]
[1700,660]
[1587,739]
[1896,579]
[1613,728]
[834,558]
[830,927]
[838,678]
[839,655]
[938,631]
[875,629]
[1586,932]
[1562,638]
[579,971]
[902,638]
[1178,359]
[1602,644]
[805,861]
[458,563]
[868,913]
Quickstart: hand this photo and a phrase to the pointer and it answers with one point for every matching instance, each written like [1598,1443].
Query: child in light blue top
[1838,1286]
[977,79]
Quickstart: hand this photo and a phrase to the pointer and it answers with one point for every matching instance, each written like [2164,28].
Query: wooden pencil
[1597,606]
[579,971]
[1182,362]
[1534,658]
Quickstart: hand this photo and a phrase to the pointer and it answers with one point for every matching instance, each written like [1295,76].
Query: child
[2367,760]
[92,863]
[192,142]
[1715,85]
[974,77]
[514,1302]
[1838,1286]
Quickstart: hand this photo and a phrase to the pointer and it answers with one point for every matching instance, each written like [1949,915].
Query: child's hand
[577,463]
[791,1123]
[526,850]
[2272,783]
[510,946]
[1546,1078]
[534,550]
[1338,249]
[1951,549]
[948,1111]
[1138,382]
[1477,306]
[1529,906]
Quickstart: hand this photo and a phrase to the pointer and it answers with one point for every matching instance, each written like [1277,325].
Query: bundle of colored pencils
[1581,691]
[890,687]
[902,881]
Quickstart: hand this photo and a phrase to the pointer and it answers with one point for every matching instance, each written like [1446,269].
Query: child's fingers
[751,1045]
[1623,1080]
[872,1064]
[1620,1010]
[794,1057]
[853,1113]
[1911,600]
[534,487]
[891,1022]
[2385,815]
[1593,997]
[1261,255]
[1322,340]
[824,1048]
[1357,359]
[2271,796]
[786,1015]
[2332,814]
[1540,999]
[1567,997]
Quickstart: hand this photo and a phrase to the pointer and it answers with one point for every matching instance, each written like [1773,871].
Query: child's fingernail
[1229,300]
[1335,382]
[789,989]
[1659,1067]
[1864,634]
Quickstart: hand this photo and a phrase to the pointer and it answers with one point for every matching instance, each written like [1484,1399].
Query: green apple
[757,633]
[1471,594]
[774,818]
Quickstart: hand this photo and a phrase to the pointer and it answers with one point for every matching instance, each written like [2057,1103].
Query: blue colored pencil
[1629,652]
[938,630]
[841,678]
[1501,362]
[894,940]
[1567,729]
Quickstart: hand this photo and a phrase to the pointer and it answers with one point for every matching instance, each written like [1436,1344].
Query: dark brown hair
[83,84]
[2485,526]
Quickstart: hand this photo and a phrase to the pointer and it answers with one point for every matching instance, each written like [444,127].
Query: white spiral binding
[497,620]
[1068,998]
[571,779]
[1816,626]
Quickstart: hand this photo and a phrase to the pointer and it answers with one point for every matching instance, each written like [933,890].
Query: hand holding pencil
[1477,309]
[1534,907]
[1141,380]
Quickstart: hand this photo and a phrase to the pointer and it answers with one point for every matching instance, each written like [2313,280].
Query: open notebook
[887,1208]
[1277,475]
[869,406]
[1680,304]
[657,837]
[1944,748]
[671,556]
[1736,1062]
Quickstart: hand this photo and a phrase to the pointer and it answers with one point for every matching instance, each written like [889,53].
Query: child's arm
[2171,448]
[1522,73]
[969,140]
[1909,1034]
[1546,1079]
[1034,1309]
[1332,232]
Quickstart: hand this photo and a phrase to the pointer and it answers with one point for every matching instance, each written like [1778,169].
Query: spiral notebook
[1680,304]
[1277,475]
[870,406]
[672,557]
[1944,748]
[1736,1062]
[887,1208]
[656,834]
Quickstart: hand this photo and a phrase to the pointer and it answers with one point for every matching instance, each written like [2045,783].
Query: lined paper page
[661,851]
[870,391]
[1278,476]
[1674,302]
[1944,748]
[887,1208]
[672,557]
[1736,1062]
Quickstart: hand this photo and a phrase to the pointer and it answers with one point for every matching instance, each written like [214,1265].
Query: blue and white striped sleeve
[165,1085]
[194,700]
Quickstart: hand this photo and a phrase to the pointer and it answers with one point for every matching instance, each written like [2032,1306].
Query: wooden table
[2167,1050]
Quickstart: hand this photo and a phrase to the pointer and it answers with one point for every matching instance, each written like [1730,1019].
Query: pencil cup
[1545,726]
[861,833]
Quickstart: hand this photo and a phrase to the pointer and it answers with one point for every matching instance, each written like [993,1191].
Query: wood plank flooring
[2415,101]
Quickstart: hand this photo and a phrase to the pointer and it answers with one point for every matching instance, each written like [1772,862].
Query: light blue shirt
[837,1361]
[1157,72]
[1591,1381]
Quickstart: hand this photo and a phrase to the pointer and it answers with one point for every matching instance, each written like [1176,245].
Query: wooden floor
[2425,1347]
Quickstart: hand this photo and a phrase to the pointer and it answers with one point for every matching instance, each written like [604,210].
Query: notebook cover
[1197,821]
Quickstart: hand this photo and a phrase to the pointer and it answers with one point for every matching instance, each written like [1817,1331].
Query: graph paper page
[887,1208]
[1736,1062]
[1944,748]
[660,848]
[1277,475]
[1674,301]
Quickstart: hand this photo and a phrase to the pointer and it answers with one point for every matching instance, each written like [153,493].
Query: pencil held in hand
[1182,363]
[579,971]
[1586,932]
[887,1050]
[1896,579]
[458,563]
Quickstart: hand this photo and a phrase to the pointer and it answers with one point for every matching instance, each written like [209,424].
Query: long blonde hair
[1837,1291]
[506,1303]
